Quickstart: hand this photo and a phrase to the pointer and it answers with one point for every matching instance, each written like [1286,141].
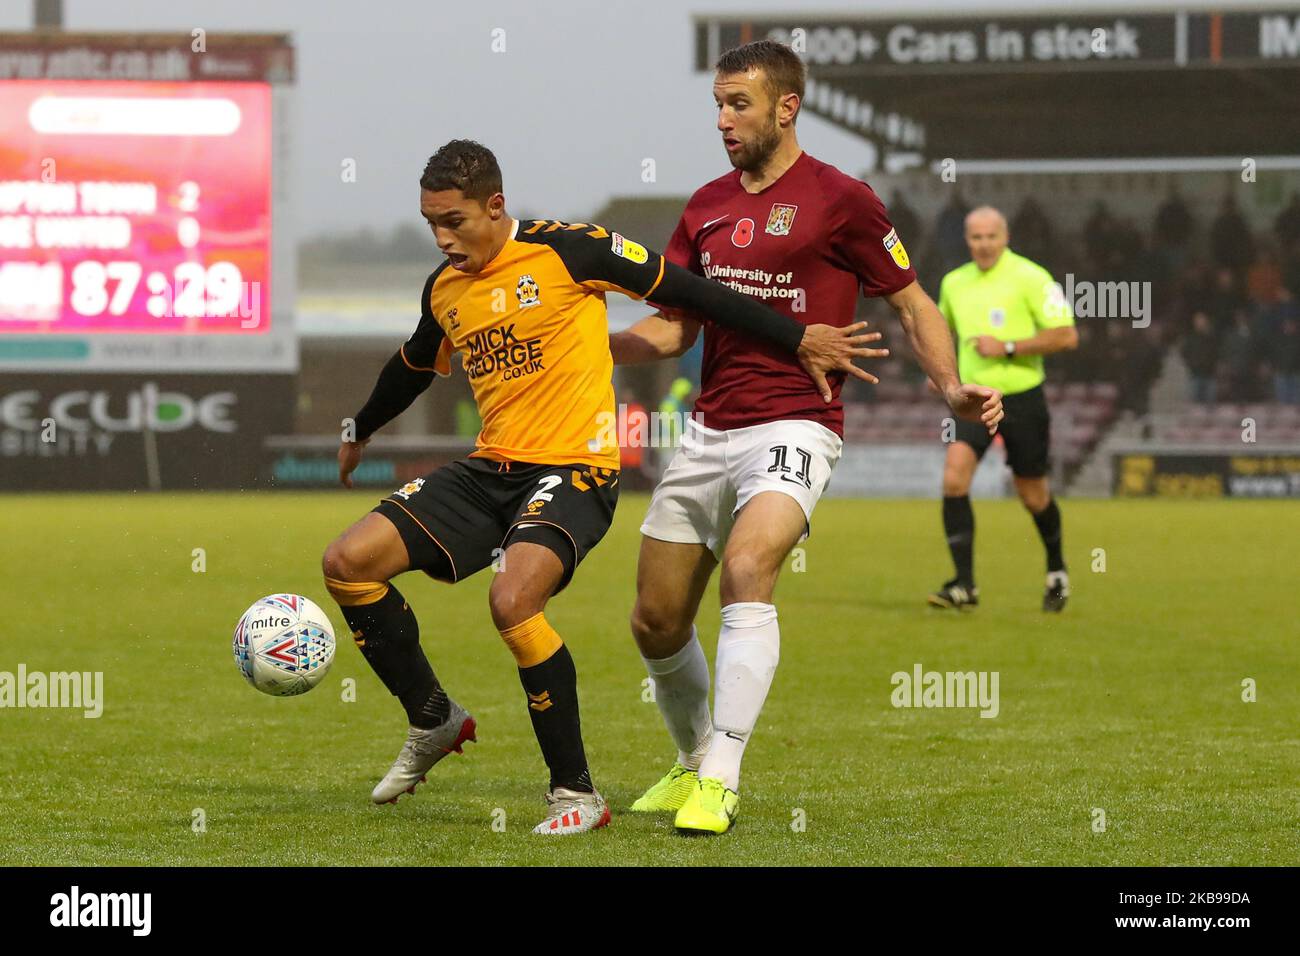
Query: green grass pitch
[1131,702]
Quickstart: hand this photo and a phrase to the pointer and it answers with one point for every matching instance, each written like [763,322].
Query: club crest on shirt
[528,292]
[997,318]
[780,219]
[410,488]
[453,320]
[632,251]
[894,245]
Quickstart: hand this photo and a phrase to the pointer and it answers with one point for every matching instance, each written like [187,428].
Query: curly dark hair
[465,165]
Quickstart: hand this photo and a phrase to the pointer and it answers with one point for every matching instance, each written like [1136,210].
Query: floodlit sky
[584,92]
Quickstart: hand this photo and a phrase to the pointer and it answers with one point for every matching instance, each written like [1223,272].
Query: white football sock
[682,693]
[749,647]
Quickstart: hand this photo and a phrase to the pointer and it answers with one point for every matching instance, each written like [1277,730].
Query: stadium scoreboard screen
[137,202]
[151,212]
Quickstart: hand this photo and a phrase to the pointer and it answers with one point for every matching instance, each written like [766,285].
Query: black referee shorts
[1026,432]
[458,519]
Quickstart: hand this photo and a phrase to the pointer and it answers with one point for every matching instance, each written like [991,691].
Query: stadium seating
[905,413]
[1222,424]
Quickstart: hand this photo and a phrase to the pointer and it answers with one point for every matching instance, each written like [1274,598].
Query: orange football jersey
[534,341]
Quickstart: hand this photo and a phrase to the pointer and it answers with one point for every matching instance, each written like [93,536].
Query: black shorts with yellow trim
[459,519]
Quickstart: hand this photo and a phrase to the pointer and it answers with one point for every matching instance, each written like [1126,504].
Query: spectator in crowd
[1240,359]
[1173,226]
[1291,268]
[1099,236]
[1264,280]
[1223,299]
[905,220]
[1142,366]
[1287,224]
[1083,364]
[1131,359]
[1033,232]
[1231,244]
[1284,356]
[950,233]
[1200,350]
[1126,247]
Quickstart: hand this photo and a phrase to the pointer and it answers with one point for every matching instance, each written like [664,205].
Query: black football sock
[552,689]
[959,526]
[388,635]
[1048,522]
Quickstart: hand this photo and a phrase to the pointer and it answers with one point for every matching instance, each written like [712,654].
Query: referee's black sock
[388,636]
[959,526]
[1048,522]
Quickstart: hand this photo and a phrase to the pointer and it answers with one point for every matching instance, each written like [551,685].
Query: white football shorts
[714,473]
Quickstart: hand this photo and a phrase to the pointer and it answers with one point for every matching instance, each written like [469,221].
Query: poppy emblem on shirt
[780,219]
[743,234]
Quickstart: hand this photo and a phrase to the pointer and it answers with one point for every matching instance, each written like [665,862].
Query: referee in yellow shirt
[1006,313]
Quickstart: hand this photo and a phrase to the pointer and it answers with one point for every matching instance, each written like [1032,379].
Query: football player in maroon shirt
[757,453]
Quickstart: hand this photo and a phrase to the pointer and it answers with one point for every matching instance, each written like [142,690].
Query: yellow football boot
[710,808]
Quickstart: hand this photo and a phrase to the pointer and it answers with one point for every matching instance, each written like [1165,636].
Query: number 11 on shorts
[802,476]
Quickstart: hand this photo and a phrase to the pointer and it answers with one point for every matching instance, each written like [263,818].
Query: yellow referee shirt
[1015,299]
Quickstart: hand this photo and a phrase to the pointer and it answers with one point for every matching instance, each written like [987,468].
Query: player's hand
[828,348]
[976,403]
[349,458]
[988,346]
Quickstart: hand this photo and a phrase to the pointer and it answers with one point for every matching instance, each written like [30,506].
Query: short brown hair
[465,165]
[782,68]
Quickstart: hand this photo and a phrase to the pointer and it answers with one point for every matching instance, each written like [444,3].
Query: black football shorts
[1026,432]
[460,518]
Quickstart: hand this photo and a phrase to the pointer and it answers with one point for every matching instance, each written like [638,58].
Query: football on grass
[284,645]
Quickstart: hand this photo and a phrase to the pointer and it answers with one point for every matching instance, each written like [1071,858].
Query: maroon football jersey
[803,246]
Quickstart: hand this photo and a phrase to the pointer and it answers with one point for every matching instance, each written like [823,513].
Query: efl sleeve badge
[895,247]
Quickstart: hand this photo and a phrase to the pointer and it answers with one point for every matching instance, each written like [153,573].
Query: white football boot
[423,749]
[573,812]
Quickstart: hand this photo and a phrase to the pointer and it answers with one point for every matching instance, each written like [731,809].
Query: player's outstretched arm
[621,265]
[821,349]
[653,338]
[931,341]
[398,386]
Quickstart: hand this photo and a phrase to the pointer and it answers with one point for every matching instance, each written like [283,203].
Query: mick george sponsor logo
[499,350]
[75,908]
[922,688]
[78,690]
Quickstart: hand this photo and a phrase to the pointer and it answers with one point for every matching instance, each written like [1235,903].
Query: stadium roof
[1030,88]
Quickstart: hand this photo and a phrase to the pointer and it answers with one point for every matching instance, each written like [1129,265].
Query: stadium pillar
[49,14]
